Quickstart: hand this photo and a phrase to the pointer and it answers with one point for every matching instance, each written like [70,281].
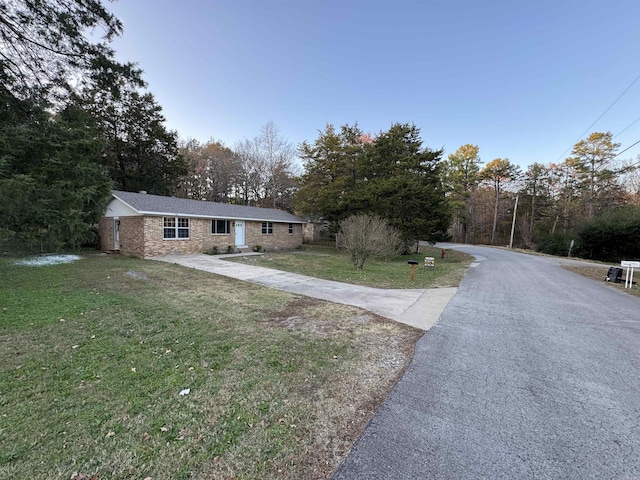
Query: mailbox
[614,275]
[413,264]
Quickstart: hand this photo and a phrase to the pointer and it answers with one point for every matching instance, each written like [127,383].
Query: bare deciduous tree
[212,171]
[365,236]
[276,155]
[631,179]
[250,168]
[266,169]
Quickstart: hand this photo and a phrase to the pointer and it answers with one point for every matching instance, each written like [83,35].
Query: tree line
[260,171]
[591,197]
[557,202]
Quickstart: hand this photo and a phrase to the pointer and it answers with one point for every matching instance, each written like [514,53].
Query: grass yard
[94,356]
[599,272]
[331,264]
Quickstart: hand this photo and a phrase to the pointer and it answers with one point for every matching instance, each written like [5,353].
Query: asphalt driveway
[532,372]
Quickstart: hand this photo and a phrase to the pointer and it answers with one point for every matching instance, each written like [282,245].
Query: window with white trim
[220,227]
[176,228]
[291,229]
[267,228]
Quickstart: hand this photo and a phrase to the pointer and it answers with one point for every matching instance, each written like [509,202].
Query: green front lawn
[94,356]
[331,264]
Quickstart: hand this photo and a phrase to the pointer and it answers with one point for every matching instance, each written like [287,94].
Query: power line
[620,153]
[625,128]
[601,115]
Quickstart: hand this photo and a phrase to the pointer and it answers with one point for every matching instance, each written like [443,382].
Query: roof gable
[146,204]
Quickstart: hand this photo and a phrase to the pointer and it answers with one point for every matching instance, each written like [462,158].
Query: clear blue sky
[520,79]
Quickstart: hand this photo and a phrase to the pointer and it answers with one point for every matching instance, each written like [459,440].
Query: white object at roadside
[185,391]
[628,281]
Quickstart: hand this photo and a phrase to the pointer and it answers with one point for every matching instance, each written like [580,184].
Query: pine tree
[52,186]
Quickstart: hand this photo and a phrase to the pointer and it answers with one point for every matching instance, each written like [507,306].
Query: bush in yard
[611,237]
[365,236]
[554,244]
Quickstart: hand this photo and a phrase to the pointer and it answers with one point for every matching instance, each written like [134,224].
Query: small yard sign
[628,281]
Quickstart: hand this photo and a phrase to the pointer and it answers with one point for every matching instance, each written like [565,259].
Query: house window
[176,227]
[267,228]
[291,229]
[183,228]
[220,227]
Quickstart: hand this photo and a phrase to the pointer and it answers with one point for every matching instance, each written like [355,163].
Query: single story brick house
[143,225]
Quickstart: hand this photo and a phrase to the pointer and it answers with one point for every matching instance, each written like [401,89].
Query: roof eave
[222,217]
[127,204]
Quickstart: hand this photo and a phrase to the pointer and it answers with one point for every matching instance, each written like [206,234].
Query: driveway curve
[532,372]
[419,308]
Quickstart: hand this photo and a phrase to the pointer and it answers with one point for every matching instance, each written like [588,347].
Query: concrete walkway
[419,308]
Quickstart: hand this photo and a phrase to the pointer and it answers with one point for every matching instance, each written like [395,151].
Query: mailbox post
[413,264]
[628,281]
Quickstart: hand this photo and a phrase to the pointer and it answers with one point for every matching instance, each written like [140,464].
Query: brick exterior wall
[143,237]
[280,239]
[200,240]
[132,236]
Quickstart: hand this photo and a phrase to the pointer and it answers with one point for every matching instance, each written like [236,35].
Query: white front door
[116,234]
[239,233]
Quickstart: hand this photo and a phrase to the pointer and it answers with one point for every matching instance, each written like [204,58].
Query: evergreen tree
[46,46]
[391,176]
[52,186]
[610,237]
[401,182]
[498,173]
[460,172]
[140,153]
[535,192]
[593,158]
[57,152]
[331,165]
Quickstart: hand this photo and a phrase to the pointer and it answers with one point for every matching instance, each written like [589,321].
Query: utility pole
[513,223]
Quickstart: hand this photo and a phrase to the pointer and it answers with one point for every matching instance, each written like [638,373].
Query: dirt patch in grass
[322,319]
[94,355]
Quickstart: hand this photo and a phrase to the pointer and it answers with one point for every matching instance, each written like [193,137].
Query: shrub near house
[142,225]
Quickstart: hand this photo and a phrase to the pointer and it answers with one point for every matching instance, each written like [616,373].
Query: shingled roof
[146,204]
